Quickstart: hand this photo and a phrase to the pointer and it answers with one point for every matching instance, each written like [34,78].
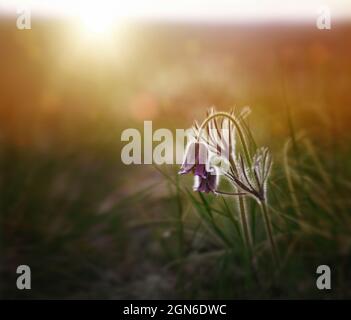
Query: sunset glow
[191,10]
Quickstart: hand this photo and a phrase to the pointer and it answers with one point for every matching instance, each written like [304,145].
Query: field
[91,227]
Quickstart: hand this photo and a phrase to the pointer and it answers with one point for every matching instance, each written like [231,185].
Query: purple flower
[195,160]
[206,184]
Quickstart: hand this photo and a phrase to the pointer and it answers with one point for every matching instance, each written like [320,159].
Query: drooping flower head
[207,184]
[195,160]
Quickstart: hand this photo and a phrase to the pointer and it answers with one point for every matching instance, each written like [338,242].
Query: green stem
[245,225]
[248,239]
[268,225]
[230,193]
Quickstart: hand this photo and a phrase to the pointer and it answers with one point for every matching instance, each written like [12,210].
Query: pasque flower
[247,173]
[206,184]
[195,160]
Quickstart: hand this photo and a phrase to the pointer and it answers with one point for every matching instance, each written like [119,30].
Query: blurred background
[90,226]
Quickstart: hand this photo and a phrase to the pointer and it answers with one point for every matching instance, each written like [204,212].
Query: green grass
[311,221]
[69,219]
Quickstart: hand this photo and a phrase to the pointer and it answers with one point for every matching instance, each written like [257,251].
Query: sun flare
[96,20]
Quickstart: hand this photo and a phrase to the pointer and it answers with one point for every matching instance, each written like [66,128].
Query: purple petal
[185,170]
[201,153]
[200,170]
[207,184]
[212,181]
[201,185]
[189,159]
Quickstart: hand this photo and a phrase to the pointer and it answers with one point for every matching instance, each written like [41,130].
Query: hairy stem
[268,226]
[230,193]
[245,225]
